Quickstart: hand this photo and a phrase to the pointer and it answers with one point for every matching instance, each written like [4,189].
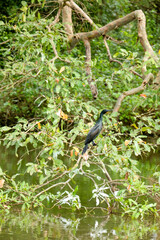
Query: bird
[94,132]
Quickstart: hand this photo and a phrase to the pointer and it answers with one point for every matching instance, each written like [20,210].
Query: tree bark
[67,20]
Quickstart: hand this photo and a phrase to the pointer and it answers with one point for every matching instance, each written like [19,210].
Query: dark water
[64,224]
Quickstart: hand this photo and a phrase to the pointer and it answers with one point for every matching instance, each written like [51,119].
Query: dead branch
[142,35]
[67,20]
[74,6]
[103,30]
[141,24]
[91,83]
[148,78]
[5,41]
[109,54]
[56,17]
[55,185]
[113,39]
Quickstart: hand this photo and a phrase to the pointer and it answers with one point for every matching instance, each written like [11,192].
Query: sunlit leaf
[62,69]
[127,142]
[39,125]
[129,188]
[143,95]
[71,153]
[61,114]
[85,156]
[1,183]
[134,125]
[76,151]
[136,148]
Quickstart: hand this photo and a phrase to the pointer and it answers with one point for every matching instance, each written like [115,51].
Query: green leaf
[5,129]
[136,148]
[1,23]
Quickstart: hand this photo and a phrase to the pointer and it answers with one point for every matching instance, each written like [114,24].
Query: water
[65,224]
[33,225]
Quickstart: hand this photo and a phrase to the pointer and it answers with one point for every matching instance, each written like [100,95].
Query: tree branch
[103,30]
[109,54]
[74,6]
[133,91]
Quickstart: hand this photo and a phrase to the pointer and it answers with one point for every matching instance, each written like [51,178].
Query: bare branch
[113,39]
[67,20]
[133,91]
[74,6]
[103,30]
[5,41]
[109,54]
[141,25]
[56,17]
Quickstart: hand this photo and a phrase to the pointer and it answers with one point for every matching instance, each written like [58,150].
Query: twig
[56,17]
[5,41]
[54,185]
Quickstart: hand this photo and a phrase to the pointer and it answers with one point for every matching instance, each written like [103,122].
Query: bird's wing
[93,133]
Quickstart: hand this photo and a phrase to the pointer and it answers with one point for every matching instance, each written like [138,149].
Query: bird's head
[104,111]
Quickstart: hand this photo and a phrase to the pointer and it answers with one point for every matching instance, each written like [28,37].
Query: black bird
[93,133]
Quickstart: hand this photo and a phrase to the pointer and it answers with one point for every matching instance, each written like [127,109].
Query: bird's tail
[85,149]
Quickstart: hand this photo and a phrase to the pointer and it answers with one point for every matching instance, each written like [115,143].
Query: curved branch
[133,91]
[103,30]
[109,54]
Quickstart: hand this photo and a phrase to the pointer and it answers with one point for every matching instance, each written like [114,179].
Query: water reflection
[71,226]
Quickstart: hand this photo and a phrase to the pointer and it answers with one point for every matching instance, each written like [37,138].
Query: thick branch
[133,91]
[141,25]
[88,68]
[74,6]
[67,20]
[138,14]
[157,81]
[103,30]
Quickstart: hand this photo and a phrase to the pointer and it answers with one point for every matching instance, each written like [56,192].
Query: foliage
[47,108]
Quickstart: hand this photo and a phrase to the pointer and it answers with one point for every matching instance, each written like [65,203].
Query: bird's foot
[94,144]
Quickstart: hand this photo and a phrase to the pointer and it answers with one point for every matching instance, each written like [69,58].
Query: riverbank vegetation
[59,70]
